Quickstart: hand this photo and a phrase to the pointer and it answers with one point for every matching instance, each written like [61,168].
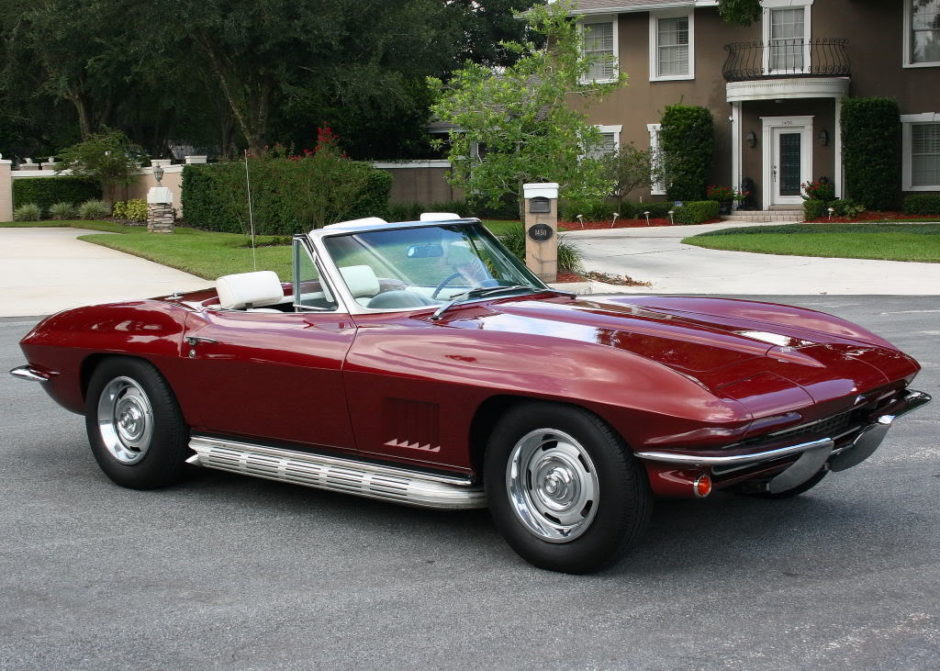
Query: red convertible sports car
[421,363]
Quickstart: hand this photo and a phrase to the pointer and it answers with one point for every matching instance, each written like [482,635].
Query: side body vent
[414,425]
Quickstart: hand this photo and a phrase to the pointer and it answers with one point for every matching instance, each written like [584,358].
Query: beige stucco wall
[422,182]
[6,191]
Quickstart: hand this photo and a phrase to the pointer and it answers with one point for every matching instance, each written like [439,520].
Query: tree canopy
[521,117]
[224,75]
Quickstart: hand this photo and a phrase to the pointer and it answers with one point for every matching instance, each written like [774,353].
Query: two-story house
[775,88]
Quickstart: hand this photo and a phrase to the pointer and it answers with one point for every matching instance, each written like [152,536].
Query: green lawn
[208,255]
[891,242]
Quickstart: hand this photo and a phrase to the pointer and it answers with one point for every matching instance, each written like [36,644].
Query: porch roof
[621,6]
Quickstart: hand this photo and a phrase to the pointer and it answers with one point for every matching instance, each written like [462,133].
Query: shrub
[922,203]
[569,258]
[27,212]
[130,210]
[696,212]
[657,209]
[108,157]
[846,207]
[94,209]
[871,149]
[819,190]
[288,195]
[687,141]
[814,209]
[413,211]
[45,191]
[62,211]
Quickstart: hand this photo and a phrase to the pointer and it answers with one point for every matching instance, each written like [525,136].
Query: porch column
[736,148]
[837,174]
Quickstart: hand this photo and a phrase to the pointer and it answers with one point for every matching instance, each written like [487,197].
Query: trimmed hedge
[922,203]
[697,211]
[288,196]
[871,150]
[687,140]
[814,209]
[47,191]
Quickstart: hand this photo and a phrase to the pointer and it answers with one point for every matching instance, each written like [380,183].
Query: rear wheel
[563,489]
[134,425]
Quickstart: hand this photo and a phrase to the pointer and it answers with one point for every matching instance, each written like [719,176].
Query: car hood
[742,350]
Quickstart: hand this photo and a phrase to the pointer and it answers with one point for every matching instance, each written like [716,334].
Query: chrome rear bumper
[812,454]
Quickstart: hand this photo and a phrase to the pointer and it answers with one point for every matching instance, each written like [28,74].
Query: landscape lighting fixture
[158,173]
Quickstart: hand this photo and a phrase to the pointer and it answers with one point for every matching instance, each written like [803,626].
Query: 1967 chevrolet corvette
[421,363]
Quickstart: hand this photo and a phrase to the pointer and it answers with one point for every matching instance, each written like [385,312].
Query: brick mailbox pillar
[6,190]
[541,229]
[160,215]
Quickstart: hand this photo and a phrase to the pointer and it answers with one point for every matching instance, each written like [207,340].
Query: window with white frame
[786,28]
[609,141]
[600,49]
[672,52]
[921,33]
[921,144]
[657,186]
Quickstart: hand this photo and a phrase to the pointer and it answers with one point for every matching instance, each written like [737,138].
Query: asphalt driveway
[44,270]
[229,572]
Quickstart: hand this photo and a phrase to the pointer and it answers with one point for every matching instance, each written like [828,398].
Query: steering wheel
[490,282]
[443,283]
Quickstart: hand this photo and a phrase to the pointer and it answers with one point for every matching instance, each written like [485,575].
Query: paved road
[44,270]
[226,572]
[657,255]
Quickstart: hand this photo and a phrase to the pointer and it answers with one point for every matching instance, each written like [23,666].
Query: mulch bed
[622,280]
[875,218]
[621,223]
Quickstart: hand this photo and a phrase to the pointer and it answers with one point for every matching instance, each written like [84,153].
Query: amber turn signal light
[702,486]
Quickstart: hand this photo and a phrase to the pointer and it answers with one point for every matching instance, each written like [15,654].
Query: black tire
[148,449]
[614,501]
[790,493]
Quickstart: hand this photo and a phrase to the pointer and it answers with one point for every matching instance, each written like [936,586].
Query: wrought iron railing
[821,57]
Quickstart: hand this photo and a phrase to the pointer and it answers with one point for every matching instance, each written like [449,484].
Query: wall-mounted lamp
[158,173]
[823,137]
[751,139]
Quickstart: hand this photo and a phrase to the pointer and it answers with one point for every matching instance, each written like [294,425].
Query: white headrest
[254,290]
[439,216]
[361,281]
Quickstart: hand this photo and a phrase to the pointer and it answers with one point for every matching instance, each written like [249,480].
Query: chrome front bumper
[812,455]
[29,373]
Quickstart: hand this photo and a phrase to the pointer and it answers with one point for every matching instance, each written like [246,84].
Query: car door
[268,375]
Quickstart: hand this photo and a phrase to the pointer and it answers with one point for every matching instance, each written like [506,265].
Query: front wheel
[563,489]
[134,425]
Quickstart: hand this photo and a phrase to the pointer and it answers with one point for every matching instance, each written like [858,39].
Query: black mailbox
[540,205]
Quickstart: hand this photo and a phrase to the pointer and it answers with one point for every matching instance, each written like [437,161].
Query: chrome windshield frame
[331,271]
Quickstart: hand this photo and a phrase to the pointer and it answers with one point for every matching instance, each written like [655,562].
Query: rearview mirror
[427,251]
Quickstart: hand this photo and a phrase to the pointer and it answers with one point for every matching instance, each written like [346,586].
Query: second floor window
[671,50]
[786,40]
[924,37]
[599,43]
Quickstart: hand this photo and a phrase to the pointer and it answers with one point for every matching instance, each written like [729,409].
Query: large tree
[517,124]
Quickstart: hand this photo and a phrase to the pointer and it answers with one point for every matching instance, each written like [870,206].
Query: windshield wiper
[478,292]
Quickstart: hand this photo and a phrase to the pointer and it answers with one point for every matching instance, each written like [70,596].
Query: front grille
[828,427]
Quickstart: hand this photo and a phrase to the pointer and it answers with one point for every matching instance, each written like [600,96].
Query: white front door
[788,159]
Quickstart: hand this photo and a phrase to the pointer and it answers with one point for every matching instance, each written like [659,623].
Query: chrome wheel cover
[552,485]
[125,420]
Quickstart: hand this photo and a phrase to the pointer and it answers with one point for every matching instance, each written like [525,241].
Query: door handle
[773,173]
[192,341]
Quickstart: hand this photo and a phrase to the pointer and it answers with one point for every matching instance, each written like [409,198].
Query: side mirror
[428,251]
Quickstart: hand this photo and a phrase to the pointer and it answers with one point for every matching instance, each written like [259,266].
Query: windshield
[426,265]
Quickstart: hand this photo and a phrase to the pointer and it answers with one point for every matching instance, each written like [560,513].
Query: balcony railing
[822,57]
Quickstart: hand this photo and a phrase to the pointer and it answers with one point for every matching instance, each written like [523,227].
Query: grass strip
[888,242]
[203,253]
